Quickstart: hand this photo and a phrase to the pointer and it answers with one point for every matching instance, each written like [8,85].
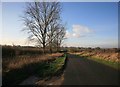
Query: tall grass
[17,69]
[108,56]
[20,61]
[113,64]
[11,51]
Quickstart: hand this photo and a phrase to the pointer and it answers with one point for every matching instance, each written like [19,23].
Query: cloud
[68,34]
[78,31]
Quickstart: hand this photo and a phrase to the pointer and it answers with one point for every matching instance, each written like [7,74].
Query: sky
[89,24]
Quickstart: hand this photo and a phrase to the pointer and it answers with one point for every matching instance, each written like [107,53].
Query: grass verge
[115,65]
[52,68]
[41,69]
[112,64]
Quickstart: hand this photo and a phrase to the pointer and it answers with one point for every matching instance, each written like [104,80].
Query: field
[22,65]
[58,43]
[17,67]
[109,56]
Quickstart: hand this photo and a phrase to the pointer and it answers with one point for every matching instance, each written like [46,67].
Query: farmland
[109,56]
[20,63]
[59,43]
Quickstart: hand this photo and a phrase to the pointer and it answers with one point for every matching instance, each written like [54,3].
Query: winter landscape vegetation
[60,43]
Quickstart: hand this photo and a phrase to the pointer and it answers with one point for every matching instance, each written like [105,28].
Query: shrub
[12,51]
[8,52]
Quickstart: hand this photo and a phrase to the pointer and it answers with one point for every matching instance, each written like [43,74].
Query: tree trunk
[50,49]
[57,47]
[43,50]
[43,47]
[50,46]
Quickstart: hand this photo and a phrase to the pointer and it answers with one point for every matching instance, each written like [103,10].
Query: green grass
[52,68]
[106,62]
[41,69]
[112,64]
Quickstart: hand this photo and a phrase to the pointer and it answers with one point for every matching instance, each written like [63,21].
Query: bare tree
[38,18]
[52,34]
[60,34]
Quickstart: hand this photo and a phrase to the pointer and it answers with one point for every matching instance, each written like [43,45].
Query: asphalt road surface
[81,71]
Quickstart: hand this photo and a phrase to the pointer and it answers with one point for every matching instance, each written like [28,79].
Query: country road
[81,71]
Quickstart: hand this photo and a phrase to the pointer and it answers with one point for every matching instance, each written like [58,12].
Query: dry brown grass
[108,56]
[20,61]
[56,54]
[113,56]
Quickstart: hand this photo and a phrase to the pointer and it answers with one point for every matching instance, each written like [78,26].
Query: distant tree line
[12,51]
[90,49]
[16,50]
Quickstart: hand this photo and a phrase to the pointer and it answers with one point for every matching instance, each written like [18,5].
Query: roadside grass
[52,68]
[41,69]
[113,64]
[20,61]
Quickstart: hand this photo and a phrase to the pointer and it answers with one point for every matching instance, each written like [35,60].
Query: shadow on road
[82,71]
